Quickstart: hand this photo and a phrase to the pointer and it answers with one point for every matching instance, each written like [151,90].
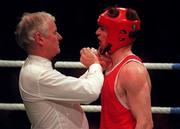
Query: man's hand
[105,60]
[88,57]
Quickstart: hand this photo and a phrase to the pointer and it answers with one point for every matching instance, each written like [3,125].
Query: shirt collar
[40,60]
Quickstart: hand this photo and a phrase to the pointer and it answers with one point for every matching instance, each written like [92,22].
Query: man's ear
[38,37]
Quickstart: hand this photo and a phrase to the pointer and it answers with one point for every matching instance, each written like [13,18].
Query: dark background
[76,22]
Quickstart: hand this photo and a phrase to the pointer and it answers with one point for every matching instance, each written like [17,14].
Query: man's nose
[98,31]
[60,37]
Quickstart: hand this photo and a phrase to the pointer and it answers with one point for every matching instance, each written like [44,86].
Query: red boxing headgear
[119,28]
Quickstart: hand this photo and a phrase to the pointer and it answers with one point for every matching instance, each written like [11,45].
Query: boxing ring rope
[92,108]
[70,64]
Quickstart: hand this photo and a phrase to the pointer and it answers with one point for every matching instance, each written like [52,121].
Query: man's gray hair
[29,24]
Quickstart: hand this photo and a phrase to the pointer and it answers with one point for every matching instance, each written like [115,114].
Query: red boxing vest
[113,114]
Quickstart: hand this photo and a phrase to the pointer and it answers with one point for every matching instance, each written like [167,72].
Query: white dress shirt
[52,100]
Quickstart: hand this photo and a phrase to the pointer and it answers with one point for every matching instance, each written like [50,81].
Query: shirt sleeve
[55,86]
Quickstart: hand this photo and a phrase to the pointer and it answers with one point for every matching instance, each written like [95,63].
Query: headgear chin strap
[119,28]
